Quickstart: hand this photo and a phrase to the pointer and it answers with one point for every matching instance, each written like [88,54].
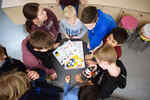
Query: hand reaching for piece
[67,79]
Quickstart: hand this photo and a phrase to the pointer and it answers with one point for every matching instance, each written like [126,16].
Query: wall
[113,7]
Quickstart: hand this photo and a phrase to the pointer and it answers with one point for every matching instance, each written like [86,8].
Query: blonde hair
[13,85]
[106,53]
[69,12]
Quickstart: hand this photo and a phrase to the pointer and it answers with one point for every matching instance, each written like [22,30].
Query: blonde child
[70,25]
[109,73]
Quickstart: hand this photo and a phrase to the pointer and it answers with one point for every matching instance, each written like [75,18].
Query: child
[99,25]
[85,92]
[41,18]
[17,86]
[109,74]
[41,44]
[116,38]
[8,64]
[74,3]
[71,26]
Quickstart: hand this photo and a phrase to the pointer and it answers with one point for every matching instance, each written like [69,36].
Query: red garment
[117,48]
[118,51]
[51,25]
[31,61]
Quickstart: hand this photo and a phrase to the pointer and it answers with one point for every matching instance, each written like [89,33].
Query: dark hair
[2,52]
[30,11]
[40,39]
[89,15]
[120,35]
[89,92]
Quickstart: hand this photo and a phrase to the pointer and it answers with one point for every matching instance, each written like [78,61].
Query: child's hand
[67,36]
[88,46]
[75,37]
[56,45]
[67,79]
[104,65]
[113,70]
[33,75]
[57,2]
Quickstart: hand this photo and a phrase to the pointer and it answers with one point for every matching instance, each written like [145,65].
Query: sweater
[51,25]
[47,58]
[76,30]
[104,25]
[109,83]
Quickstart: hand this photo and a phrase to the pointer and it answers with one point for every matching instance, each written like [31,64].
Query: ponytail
[28,25]
[30,11]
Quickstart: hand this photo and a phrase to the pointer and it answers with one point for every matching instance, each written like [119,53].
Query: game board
[70,55]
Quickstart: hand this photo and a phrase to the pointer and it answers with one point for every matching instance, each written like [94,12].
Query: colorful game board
[70,55]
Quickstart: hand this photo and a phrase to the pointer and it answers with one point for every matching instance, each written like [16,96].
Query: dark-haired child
[116,38]
[8,64]
[74,3]
[41,18]
[99,25]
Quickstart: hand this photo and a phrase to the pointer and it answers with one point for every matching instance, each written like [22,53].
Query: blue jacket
[103,26]
[70,94]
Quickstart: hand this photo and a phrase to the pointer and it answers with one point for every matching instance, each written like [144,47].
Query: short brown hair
[2,52]
[40,39]
[13,85]
[89,15]
[106,53]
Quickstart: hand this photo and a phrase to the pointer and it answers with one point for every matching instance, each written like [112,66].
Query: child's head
[70,14]
[13,85]
[34,14]
[117,37]
[3,54]
[41,40]
[89,17]
[105,54]
[89,92]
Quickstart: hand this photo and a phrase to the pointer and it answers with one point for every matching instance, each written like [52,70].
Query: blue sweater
[70,94]
[103,26]
[76,30]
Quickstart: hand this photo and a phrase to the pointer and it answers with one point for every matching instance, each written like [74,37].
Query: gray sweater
[77,30]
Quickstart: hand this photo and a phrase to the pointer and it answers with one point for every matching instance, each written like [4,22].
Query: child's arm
[63,29]
[67,84]
[83,30]
[57,1]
